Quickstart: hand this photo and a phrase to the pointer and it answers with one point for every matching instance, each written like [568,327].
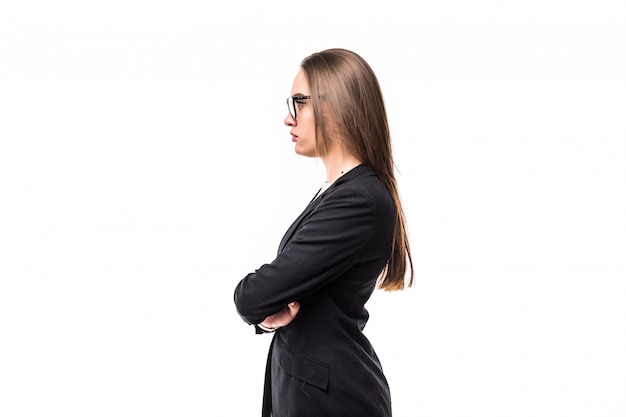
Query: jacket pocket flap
[304,368]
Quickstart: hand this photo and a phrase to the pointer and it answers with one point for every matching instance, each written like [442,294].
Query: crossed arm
[327,243]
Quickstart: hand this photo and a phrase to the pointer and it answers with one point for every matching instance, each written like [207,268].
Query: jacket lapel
[355,172]
[296,224]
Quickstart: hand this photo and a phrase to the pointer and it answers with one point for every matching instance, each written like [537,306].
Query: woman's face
[303,128]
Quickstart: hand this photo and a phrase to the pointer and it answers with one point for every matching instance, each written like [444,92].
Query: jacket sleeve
[326,244]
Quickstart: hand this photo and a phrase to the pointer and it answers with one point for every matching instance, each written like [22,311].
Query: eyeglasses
[292,101]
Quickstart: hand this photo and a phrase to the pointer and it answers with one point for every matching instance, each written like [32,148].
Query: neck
[337,165]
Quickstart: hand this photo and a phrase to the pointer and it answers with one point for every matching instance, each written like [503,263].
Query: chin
[304,152]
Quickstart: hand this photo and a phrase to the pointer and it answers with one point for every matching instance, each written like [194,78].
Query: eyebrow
[299,94]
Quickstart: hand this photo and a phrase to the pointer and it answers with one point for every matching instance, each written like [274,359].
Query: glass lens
[291,107]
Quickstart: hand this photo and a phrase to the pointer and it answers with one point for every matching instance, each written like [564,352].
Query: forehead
[300,84]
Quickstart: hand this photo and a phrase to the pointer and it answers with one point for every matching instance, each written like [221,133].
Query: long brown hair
[347,100]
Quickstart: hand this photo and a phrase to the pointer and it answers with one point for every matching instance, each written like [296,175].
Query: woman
[349,238]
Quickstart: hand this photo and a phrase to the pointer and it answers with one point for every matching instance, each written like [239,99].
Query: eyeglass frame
[291,106]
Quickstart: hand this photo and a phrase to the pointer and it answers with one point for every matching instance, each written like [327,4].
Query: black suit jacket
[321,364]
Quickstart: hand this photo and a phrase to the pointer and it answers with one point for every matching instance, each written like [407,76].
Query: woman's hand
[282,318]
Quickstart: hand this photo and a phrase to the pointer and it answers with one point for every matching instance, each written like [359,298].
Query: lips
[293,137]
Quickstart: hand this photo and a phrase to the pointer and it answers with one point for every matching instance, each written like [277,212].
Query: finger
[294,307]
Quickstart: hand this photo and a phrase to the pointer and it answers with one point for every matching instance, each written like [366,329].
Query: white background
[144,170]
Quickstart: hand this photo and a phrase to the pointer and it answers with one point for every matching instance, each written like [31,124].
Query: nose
[290,121]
